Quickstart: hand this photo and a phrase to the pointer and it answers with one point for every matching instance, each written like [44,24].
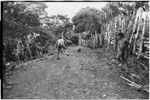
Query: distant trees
[87,19]
[58,24]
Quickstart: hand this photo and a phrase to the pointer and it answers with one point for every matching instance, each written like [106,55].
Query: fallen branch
[142,87]
[142,65]
[134,75]
[146,88]
[140,68]
[11,67]
[146,57]
[131,83]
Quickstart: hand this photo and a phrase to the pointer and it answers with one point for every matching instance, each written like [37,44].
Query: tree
[17,21]
[87,19]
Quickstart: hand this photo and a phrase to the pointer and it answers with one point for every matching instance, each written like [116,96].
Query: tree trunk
[139,22]
[108,35]
[28,48]
[96,37]
[134,44]
[115,31]
[137,19]
[129,30]
[94,41]
[100,40]
[142,38]
[120,22]
[80,40]
[18,49]
[136,24]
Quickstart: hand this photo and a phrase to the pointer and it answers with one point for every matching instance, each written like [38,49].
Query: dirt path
[90,74]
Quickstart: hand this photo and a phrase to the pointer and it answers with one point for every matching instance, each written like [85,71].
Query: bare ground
[90,74]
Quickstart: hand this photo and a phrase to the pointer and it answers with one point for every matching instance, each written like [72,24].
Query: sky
[70,8]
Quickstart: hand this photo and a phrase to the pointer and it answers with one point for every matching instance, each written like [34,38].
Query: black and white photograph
[75,49]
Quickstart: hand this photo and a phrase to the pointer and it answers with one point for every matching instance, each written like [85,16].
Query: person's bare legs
[64,47]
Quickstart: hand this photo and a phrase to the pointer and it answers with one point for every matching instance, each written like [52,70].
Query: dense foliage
[17,21]
[87,19]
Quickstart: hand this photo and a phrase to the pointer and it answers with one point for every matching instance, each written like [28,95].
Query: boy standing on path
[61,44]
